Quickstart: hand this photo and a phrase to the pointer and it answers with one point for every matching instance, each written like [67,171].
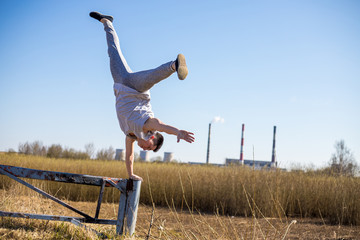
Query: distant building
[144,156]
[120,154]
[256,164]
[168,156]
[202,163]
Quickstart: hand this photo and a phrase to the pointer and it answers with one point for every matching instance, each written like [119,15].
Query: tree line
[57,151]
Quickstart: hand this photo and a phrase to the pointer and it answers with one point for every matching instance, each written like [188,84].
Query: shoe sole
[98,16]
[182,70]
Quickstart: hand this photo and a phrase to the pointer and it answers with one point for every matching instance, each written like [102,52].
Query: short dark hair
[158,141]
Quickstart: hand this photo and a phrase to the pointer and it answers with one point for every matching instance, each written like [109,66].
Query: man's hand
[136,177]
[185,135]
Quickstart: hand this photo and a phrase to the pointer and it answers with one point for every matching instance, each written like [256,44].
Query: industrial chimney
[242,146]
[208,146]
[273,156]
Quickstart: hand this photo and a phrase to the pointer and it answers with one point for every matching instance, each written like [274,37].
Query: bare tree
[90,149]
[54,151]
[105,154]
[35,148]
[71,153]
[342,161]
[24,148]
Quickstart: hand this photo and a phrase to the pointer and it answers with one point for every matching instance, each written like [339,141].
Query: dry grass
[168,223]
[229,191]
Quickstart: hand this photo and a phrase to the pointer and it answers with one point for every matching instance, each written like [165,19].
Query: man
[132,94]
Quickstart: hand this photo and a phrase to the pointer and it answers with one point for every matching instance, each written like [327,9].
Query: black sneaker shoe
[99,16]
[181,67]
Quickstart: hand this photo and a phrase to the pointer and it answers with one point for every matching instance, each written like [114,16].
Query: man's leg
[121,72]
[144,80]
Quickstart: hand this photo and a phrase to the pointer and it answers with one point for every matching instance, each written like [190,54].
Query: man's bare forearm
[155,124]
[129,156]
[129,161]
[169,129]
[181,134]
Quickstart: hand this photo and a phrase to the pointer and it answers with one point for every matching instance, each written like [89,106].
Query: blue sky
[293,64]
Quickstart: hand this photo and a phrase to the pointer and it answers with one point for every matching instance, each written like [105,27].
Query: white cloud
[218,119]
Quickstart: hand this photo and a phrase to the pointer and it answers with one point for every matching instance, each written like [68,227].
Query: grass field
[168,223]
[248,204]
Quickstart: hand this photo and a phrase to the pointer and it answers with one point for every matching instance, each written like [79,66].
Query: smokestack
[208,146]
[273,157]
[242,145]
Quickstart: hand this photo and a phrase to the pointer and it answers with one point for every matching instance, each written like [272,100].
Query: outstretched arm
[129,158]
[156,124]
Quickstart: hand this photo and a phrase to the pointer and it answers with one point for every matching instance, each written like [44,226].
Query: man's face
[147,145]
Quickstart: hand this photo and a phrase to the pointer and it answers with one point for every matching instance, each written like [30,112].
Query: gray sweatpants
[121,72]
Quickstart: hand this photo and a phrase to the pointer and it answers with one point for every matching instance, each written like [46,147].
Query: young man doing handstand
[132,94]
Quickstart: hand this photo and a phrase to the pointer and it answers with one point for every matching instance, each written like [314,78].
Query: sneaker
[99,16]
[181,67]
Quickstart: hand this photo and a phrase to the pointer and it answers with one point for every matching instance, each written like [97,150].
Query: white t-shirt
[133,108]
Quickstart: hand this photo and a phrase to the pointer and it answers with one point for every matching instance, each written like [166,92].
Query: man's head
[153,143]
[158,141]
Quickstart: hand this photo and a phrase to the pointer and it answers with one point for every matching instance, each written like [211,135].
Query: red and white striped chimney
[242,146]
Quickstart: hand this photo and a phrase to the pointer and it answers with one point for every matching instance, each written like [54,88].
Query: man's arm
[129,158]
[156,124]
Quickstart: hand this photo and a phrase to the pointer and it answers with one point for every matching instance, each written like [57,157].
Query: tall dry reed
[232,190]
